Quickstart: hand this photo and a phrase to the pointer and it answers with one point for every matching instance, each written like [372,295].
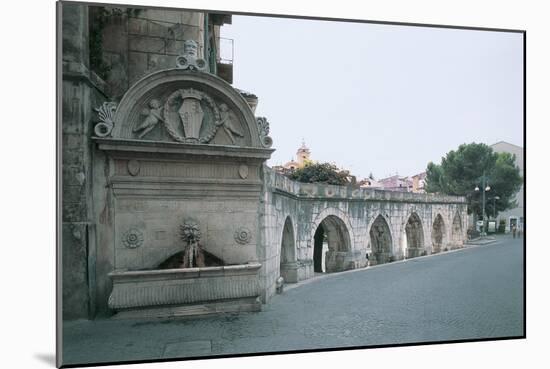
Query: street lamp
[495,207]
[485,188]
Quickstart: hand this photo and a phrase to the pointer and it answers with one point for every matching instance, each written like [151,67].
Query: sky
[380,99]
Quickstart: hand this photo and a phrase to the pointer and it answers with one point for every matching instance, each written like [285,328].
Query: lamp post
[495,207]
[485,187]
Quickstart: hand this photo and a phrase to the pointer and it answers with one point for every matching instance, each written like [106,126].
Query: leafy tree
[322,173]
[461,171]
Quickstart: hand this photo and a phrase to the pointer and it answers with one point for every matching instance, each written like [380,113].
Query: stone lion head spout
[190,232]
[192,255]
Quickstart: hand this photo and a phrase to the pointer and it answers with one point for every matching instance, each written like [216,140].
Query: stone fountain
[175,160]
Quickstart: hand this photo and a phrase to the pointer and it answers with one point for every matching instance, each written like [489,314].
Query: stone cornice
[161,147]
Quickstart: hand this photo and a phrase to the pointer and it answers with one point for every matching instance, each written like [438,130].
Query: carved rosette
[243,235]
[263,132]
[106,113]
[132,238]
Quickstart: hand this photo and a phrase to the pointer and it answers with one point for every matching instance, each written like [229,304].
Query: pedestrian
[514,229]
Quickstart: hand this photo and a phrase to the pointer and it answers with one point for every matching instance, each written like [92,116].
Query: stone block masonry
[178,143]
[358,226]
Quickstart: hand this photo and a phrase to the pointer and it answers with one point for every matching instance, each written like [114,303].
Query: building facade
[514,216]
[396,183]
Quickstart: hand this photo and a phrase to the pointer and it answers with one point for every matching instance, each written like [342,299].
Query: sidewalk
[491,239]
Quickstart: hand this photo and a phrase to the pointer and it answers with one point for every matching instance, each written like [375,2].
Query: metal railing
[226,50]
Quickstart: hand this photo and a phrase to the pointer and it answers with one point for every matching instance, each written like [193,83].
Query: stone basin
[185,291]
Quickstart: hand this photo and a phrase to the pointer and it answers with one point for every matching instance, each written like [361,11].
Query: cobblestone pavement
[466,294]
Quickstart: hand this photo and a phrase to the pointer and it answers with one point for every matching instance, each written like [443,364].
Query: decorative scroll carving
[243,235]
[106,113]
[132,238]
[263,131]
[190,59]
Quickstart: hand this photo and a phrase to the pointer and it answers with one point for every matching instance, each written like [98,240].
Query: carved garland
[185,93]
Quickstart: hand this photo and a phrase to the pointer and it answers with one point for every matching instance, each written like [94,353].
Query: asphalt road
[467,294]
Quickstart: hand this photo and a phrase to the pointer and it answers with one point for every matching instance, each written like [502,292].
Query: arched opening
[456,231]
[381,242]
[288,267]
[438,234]
[331,246]
[319,249]
[415,236]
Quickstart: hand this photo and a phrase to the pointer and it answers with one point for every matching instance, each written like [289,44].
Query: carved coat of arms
[186,117]
[191,114]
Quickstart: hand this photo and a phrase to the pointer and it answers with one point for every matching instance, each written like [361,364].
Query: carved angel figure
[153,117]
[229,126]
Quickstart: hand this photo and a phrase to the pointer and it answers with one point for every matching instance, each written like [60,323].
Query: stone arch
[381,241]
[332,241]
[214,94]
[287,256]
[439,234]
[456,230]
[414,235]
[341,215]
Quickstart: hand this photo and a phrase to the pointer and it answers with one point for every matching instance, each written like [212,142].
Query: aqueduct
[353,224]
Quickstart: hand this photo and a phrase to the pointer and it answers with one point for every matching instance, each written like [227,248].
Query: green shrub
[322,173]
[501,226]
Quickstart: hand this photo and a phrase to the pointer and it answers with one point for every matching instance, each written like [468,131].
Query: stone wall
[82,90]
[308,205]
[132,43]
[137,42]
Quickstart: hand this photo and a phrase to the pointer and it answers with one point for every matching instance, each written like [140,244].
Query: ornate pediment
[183,105]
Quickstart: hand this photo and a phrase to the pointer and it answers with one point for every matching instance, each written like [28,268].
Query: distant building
[302,157]
[396,183]
[513,216]
[369,183]
[419,183]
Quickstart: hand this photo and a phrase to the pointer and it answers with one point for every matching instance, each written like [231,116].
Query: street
[471,293]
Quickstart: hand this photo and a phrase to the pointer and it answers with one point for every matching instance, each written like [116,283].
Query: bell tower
[302,155]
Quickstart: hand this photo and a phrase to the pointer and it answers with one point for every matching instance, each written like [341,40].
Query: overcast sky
[378,98]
